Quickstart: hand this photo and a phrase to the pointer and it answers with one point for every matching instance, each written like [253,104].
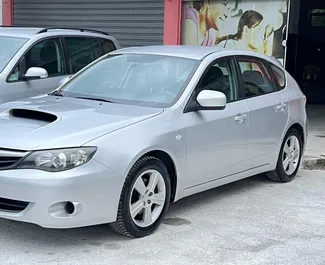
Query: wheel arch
[167,159]
[300,129]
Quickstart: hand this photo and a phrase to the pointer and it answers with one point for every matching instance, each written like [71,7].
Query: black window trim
[265,63]
[237,83]
[22,58]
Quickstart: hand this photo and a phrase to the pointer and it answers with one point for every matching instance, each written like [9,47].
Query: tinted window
[279,76]
[145,80]
[96,47]
[48,55]
[219,78]
[9,46]
[255,76]
[80,52]
[107,45]
[317,18]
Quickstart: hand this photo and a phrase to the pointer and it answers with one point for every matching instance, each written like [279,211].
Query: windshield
[8,48]
[137,79]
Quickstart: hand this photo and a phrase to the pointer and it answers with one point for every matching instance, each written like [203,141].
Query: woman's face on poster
[220,11]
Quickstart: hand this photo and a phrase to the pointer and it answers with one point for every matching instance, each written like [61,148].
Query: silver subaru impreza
[142,127]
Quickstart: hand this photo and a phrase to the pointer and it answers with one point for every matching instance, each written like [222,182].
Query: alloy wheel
[291,155]
[148,198]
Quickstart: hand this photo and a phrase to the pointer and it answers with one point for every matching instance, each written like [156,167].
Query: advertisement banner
[258,25]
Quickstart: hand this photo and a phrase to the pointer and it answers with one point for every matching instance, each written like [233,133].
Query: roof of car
[19,31]
[185,51]
[29,32]
[191,52]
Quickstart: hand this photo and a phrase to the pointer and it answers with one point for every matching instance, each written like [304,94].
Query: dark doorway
[310,56]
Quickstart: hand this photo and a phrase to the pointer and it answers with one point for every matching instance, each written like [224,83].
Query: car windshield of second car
[9,46]
[136,79]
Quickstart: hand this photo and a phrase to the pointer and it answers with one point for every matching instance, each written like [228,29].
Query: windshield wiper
[56,93]
[97,99]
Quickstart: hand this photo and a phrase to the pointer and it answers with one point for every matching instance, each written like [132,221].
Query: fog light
[69,208]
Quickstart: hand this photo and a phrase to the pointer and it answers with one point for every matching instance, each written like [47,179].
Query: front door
[9,91]
[46,54]
[216,140]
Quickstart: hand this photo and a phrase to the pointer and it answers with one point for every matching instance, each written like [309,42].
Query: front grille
[12,205]
[9,158]
[8,161]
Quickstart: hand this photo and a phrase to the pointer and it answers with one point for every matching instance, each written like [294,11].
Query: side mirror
[211,100]
[35,73]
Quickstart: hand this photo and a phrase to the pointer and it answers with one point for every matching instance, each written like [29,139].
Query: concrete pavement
[253,222]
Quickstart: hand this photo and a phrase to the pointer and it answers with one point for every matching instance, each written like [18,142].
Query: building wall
[0,12]
[132,22]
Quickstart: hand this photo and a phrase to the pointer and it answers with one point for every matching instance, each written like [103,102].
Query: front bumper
[93,186]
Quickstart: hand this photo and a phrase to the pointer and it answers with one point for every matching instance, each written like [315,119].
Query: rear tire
[144,199]
[289,158]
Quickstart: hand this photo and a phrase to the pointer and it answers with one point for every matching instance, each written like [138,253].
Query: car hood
[52,122]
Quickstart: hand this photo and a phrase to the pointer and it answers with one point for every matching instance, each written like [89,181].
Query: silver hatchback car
[34,61]
[142,127]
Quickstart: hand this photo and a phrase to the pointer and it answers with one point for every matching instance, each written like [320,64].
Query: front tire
[144,199]
[289,158]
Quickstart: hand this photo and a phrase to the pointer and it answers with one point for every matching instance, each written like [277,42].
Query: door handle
[240,117]
[281,107]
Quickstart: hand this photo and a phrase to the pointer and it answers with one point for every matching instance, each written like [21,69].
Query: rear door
[268,110]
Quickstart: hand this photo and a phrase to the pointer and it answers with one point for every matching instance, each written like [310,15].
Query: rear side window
[257,80]
[279,75]
[107,45]
[80,52]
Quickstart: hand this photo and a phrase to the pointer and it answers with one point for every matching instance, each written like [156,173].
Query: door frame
[237,81]
[21,60]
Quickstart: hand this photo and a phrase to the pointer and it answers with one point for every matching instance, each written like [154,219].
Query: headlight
[58,159]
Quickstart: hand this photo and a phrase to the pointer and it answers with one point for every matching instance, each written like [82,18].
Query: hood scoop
[33,115]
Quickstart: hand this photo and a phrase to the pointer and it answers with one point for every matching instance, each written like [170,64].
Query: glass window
[48,55]
[80,52]
[146,80]
[15,74]
[318,18]
[9,46]
[219,78]
[107,45]
[97,49]
[255,76]
[279,76]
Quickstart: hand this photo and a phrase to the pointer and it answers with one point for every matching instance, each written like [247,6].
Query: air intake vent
[33,115]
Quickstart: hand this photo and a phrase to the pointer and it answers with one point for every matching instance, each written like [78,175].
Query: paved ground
[253,221]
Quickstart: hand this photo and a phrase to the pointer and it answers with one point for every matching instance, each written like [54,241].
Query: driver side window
[220,77]
[46,54]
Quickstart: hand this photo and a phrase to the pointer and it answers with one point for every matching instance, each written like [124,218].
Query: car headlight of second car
[56,160]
